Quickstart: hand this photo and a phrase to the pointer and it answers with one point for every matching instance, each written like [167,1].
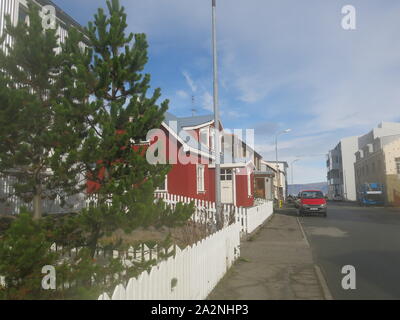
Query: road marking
[303,233]
[323,283]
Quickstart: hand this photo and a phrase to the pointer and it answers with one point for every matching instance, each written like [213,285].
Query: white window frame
[207,131]
[200,178]
[165,185]
[249,183]
[212,139]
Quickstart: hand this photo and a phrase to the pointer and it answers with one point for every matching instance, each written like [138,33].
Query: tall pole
[216,118]
[277,166]
[292,165]
[292,172]
[278,180]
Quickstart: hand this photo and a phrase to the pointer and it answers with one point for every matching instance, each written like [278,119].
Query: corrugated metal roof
[188,122]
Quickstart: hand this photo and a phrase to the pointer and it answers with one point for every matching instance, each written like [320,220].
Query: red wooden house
[189,147]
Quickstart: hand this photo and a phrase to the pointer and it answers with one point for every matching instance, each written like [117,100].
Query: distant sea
[294,189]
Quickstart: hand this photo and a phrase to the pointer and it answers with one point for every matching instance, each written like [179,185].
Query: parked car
[290,199]
[297,201]
[312,202]
[337,197]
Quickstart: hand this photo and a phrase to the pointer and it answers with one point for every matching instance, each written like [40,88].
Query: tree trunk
[37,203]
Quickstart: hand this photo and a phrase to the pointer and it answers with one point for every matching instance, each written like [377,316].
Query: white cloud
[190,81]
[182,94]
[341,82]
[207,102]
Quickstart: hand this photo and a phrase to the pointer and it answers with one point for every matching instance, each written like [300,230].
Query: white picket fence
[256,216]
[10,204]
[249,218]
[189,275]
[139,253]
[204,210]
[193,273]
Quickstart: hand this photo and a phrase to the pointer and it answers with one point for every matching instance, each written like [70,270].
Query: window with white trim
[164,186]
[205,137]
[200,178]
[212,139]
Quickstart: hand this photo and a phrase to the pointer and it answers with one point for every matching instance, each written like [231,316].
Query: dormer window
[205,137]
[212,139]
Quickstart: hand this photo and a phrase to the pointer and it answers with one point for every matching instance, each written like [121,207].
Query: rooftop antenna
[193,107]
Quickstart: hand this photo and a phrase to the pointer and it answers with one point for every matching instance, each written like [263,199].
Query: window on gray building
[397,165]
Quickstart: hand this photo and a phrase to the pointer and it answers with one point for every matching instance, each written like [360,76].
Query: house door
[260,187]
[226,186]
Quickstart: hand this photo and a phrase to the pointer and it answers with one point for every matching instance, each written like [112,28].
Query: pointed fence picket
[188,273]
[249,218]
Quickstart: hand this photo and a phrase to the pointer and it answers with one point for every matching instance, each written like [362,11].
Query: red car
[312,201]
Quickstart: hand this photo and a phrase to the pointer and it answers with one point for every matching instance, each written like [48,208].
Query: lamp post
[218,206]
[291,166]
[277,166]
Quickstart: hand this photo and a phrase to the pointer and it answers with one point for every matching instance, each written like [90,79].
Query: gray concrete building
[340,168]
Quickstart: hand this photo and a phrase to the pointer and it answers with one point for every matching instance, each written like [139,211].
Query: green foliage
[24,250]
[32,122]
[79,112]
[5,223]
[113,92]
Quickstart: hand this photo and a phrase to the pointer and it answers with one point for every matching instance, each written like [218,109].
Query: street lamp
[218,205]
[291,166]
[277,167]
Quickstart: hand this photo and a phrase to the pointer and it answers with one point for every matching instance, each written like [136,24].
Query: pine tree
[36,141]
[118,115]
[24,250]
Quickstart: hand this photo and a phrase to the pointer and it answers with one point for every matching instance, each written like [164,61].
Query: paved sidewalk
[276,264]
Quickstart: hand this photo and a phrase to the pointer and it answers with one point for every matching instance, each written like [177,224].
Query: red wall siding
[182,179]
[242,198]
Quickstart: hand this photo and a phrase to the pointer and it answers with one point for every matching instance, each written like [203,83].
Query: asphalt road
[366,238]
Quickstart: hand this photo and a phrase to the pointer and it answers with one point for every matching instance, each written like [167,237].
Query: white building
[340,164]
[340,167]
[280,183]
[18,10]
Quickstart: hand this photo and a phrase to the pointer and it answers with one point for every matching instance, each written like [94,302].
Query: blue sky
[282,64]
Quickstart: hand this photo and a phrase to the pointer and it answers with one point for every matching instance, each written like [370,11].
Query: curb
[321,279]
[303,233]
[325,289]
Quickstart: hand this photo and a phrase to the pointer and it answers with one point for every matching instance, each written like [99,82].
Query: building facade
[17,10]
[340,168]
[280,182]
[378,161]
[265,181]
[193,173]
